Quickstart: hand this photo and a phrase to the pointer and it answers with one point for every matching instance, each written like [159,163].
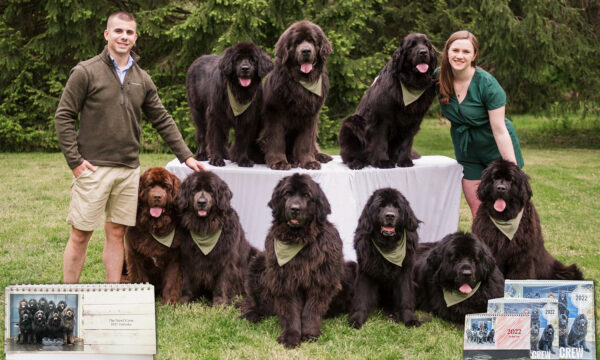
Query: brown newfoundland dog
[302,267]
[152,245]
[225,92]
[385,241]
[458,270]
[506,203]
[381,131]
[294,92]
[214,250]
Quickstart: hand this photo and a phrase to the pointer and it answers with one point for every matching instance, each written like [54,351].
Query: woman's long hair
[446,77]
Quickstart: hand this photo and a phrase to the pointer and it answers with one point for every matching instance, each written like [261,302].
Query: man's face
[120,35]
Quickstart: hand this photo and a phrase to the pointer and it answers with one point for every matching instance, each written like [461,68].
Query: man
[108,92]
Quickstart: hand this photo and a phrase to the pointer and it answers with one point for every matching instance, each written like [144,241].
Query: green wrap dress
[471,132]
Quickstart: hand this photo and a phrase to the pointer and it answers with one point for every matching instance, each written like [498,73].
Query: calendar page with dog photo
[79,321]
[496,336]
[544,322]
[576,322]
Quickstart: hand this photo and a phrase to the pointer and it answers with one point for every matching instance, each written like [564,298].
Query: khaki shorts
[110,189]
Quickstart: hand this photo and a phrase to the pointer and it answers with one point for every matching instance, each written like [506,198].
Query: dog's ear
[325,46]
[175,184]
[143,187]
[226,63]
[524,187]
[323,206]
[411,223]
[185,192]
[265,65]
[282,45]
[368,216]
[485,262]
[276,202]
[399,55]
[223,194]
[484,188]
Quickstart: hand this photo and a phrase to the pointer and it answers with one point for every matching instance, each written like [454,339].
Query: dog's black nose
[245,67]
[305,52]
[501,187]
[157,197]
[295,209]
[390,216]
[467,272]
[201,203]
[422,52]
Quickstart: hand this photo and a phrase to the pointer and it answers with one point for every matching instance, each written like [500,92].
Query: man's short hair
[123,15]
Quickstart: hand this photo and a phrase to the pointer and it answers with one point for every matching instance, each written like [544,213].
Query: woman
[474,102]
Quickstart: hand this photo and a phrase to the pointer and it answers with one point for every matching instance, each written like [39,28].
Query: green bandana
[206,242]
[397,255]
[455,297]
[509,227]
[286,252]
[410,95]
[236,107]
[314,87]
[166,240]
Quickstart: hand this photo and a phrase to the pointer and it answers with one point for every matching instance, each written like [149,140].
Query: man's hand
[81,168]
[194,164]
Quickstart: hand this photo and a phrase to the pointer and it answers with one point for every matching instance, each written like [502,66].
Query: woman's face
[461,54]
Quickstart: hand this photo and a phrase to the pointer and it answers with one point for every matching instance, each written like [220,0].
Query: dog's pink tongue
[201,212]
[156,212]
[499,205]
[306,68]
[387,228]
[245,82]
[423,67]
[465,289]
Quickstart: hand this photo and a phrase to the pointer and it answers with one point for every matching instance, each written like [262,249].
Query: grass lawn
[35,196]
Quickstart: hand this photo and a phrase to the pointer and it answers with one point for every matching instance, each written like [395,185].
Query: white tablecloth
[432,187]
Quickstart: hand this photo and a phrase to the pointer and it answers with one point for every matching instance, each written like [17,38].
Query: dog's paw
[312,165]
[406,163]
[216,161]
[356,321]
[311,337]
[323,158]
[252,316]
[412,323]
[289,339]
[385,164]
[356,165]
[245,163]
[280,165]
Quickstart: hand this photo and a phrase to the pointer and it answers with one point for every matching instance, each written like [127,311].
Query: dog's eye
[306,195]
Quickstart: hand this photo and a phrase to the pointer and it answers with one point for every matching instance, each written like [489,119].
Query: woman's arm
[501,135]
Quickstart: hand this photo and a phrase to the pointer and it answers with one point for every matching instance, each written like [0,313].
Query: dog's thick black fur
[241,68]
[504,191]
[547,338]
[290,112]
[578,332]
[53,323]
[204,204]
[67,325]
[25,328]
[39,325]
[458,259]
[301,291]
[386,216]
[381,131]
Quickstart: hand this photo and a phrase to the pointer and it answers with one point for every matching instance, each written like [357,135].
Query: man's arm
[70,105]
[166,127]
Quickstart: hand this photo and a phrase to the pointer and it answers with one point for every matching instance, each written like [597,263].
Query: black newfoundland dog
[302,267]
[293,95]
[387,227]
[381,131]
[214,251]
[225,92]
[505,197]
[578,332]
[458,268]
[152,245]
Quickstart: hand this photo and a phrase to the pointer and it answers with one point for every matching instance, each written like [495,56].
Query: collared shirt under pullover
[111,114]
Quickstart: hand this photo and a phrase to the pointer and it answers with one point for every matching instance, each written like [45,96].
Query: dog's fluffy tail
[562,272]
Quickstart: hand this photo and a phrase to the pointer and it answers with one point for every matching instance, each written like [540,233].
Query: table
[432,188]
